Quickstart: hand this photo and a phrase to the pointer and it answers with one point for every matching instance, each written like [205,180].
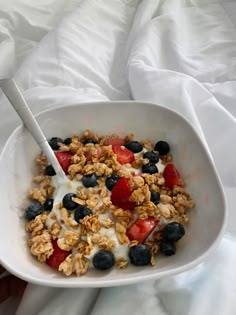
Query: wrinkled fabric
[181,54]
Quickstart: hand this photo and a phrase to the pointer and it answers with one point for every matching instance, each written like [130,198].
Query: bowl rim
[63,282]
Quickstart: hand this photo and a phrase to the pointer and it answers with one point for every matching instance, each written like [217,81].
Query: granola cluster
[80,239]
[44,189]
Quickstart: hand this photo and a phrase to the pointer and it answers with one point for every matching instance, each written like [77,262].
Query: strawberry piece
[64,158]
[140,229]
[88,154]
[114,141]
[124,155]
[57,257]
[120,195]
[172,176]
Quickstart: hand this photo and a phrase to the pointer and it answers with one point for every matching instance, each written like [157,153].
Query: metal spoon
[17,100]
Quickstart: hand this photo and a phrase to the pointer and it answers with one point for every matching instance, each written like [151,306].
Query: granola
[133,212]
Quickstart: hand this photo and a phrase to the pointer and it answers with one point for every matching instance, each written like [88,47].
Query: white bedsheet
[181,54]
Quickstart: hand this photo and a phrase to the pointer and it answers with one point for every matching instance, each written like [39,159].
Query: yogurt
[71,187]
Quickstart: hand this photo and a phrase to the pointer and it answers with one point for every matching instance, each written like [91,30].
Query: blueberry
[81,212]
[162,147]
[111,181]
[149,168]
[140,255]
[103,260]
[33,210]
[48,204]
[173,232]
[68,203]
[86,141]
[151,156]
[134,146]
[155,197]
[67,141]
[167,248]
[89,180]
[49,170]
[53,142]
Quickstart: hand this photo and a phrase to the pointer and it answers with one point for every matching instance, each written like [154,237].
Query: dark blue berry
[162,147]
[173,232]
[86,141]
[49,170]
[33,210]
[67,141]
[48,204]
[103,260]
[151,156]
[167,248]
[53,142]
[140,255]
[68,203]
[111,181]
[81,212]
[89,180]
[155,197]
[149,168]
[134,146]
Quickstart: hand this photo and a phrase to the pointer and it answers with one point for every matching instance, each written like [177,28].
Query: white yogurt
[119,250]
[71,187]
[60,191]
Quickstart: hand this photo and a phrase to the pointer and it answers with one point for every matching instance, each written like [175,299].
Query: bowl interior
[207,219]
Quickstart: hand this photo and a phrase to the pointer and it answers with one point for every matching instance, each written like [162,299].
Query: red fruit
[57,257]
[120,195]
[114,141]
[140,229]
[124,155]
[64,158]
[88,154]
[172,176]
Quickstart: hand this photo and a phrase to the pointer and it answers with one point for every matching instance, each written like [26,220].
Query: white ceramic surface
[150,121]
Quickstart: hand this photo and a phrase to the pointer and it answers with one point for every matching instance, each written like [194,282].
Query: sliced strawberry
[88,156]
[120,195]
[172,176]
[98,154]
[124,155]
[57,257]
[114,141]
[140,229]
[64,158]
[126,205]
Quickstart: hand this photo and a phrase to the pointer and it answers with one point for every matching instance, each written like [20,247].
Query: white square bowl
[207,219]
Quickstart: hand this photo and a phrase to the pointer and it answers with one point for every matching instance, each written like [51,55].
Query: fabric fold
[180,54]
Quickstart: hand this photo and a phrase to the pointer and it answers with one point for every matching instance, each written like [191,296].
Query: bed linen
[181,54]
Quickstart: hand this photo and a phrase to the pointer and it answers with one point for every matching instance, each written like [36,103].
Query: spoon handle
[17,100]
